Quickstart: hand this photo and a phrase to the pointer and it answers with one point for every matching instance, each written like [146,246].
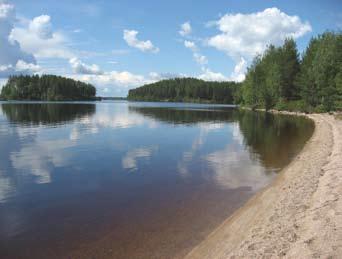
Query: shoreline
[299,215]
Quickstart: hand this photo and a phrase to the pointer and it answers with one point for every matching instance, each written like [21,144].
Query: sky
[122,44]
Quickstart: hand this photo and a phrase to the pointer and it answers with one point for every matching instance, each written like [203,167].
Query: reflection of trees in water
[272,139]
[46,113]
[275,139]
[23,154]
[188,116]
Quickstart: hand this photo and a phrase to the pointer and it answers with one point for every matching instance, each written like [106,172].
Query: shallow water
[134,180]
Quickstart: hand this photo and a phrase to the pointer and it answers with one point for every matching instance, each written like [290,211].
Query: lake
[131,180]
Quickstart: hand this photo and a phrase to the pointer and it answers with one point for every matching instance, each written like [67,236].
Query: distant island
[47,88]
[278,79]
[186,90]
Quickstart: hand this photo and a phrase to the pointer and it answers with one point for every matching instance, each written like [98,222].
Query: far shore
[299,215]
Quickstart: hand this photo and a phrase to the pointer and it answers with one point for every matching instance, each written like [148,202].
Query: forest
[283,80]
[279,78]
[46,88]
[186,90]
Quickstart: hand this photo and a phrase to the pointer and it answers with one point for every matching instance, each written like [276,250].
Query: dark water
[131,180]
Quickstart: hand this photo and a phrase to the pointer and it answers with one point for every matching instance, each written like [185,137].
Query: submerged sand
[299,215]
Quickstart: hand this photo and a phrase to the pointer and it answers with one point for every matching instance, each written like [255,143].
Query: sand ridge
[299,215]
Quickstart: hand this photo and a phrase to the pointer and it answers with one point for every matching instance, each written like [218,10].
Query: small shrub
[280,106]
[338,105]
[320,109]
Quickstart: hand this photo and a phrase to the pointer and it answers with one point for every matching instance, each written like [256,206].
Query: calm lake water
[131,180]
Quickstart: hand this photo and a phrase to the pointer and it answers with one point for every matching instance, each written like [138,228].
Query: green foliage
[186,90]
[320,109]
[47,88]
[289,66]
[250,93]
[293,106]
[320,77]
[272,76]
[278,79]
[338,105]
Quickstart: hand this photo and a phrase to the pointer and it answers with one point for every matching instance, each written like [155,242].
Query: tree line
[280,79]
[46,88]
[185,90]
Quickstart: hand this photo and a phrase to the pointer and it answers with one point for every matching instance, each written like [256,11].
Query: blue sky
[118,45]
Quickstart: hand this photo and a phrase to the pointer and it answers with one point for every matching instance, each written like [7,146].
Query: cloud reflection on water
[230,167]
[42,156]
[130,160]
[55,142]
[67,158]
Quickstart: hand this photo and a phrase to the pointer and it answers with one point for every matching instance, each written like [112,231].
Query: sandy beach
[299,215]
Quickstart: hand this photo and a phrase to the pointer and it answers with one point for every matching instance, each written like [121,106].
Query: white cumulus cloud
[113,80]
[238,74]
[198,57]
[202,60]
[22,66]
[190,45]
[81,68]
[111,83]
[209,75]
[245,35]
[38,38]
[13,59]
[41,26]
[130,36]
[185,29]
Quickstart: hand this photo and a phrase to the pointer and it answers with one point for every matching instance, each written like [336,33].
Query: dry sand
[299,215]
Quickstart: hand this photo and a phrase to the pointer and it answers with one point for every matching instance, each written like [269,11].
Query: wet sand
[299,215]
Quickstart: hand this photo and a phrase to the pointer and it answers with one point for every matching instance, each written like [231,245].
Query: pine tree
[289,69]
